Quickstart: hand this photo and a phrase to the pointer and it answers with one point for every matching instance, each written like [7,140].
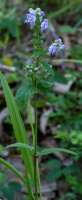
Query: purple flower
[56,47]
[52,49]
[59,44]
[42,14]
[44,25]
[58,41]
[31,18]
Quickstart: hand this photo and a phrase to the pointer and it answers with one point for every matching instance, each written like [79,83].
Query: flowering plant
[31,19]
[39,75]
[39,69]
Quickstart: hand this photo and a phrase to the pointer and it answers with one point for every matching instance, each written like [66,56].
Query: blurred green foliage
[8,189]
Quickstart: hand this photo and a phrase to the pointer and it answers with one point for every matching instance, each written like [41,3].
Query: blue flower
[52,49]
[44,25]
[30,19]
[56,47]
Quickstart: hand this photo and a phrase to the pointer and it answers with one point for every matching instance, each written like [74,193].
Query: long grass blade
[19,129]
[21,145]
[53,150]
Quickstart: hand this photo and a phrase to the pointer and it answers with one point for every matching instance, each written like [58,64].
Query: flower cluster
[31,18]
[56,47]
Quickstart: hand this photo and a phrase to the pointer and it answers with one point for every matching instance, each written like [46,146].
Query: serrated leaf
[24,92]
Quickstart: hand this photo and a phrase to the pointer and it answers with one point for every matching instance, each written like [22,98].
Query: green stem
[36,167]
[29,194]
[37,47]
[39,183]
[31,120]
[35,158]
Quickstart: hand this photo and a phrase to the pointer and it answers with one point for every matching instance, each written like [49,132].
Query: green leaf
[60,78]
[47,151]
[21,145]
[2,178]
[19,130]
[13,28]
[12,168]
[9,190]
[54,170]
[67,29]
[78,49]
[24,92]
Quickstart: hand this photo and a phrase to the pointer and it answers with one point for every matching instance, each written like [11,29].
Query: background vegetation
[60,114]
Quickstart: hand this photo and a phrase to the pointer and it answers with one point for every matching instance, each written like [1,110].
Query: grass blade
[21,145]
[19,129]
[47,151]
[12,168]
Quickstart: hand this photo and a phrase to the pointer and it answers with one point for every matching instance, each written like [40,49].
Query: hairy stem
[36,167]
